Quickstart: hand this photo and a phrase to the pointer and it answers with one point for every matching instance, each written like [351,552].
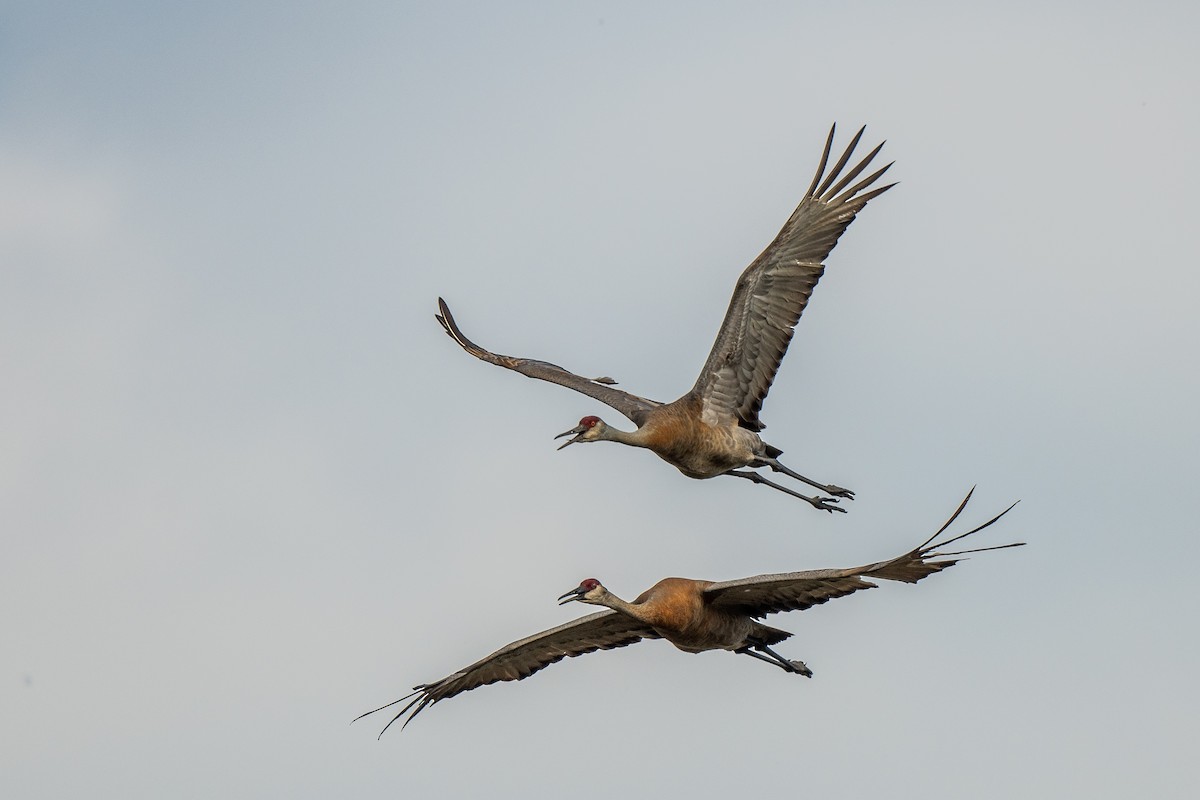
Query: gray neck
[634,610]
[634,438]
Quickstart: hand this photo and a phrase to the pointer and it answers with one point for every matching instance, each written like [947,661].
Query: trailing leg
[820,503]
[794,667]
[836,491]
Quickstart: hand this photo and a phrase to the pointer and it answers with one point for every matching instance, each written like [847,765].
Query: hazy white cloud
[52,213]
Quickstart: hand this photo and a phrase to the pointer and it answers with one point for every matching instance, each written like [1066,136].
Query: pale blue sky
[249,489]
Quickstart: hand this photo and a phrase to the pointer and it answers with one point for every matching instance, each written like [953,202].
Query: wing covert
[600,389]
[787,591]
[796,591]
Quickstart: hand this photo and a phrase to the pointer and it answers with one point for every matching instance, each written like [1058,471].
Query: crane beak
[577,431]
[575,593]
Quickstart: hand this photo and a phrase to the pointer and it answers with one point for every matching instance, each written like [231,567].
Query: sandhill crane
[693,615]
[713,429]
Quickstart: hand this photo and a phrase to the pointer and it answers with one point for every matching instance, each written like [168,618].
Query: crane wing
[772,292]
[600,389]
[796,591]
[517,661]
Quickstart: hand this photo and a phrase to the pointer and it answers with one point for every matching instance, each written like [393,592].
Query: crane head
[589,591]
[589,429]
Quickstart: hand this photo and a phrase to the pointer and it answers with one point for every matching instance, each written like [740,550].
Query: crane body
[713,429]
[678,434]
[677,610]
[694,615]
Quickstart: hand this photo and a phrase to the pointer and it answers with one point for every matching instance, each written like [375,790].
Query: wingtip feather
[824,161]
[841,162]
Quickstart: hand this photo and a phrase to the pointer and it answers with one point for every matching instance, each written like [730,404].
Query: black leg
[836,491]
[820,503]
[798,667]
[795,667]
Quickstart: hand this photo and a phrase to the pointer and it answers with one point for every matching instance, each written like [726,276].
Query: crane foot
[771,657]
[820,503]
[825,504]
[773,463]
[800,668]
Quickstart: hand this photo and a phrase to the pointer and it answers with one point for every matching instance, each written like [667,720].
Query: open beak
[575,593]
[577,431]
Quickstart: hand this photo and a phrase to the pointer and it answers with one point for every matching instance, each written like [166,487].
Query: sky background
[249,489]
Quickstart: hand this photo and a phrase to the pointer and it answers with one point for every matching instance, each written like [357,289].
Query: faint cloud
[52,210]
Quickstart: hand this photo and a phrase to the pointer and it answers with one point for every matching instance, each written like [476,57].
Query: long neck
[634,610]
[635,438]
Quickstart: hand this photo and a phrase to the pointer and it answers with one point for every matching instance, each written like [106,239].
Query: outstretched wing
[773,291]
[601,389]
[796,591]
[517,661]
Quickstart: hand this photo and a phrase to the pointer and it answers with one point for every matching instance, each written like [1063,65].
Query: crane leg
[820,503]
[795,667]
[836,491]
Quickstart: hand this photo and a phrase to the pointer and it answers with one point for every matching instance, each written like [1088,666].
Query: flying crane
[693,615]
[713,428]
